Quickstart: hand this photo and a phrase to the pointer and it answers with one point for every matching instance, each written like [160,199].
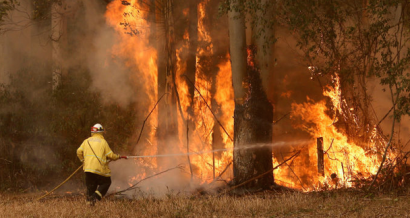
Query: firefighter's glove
[123,157]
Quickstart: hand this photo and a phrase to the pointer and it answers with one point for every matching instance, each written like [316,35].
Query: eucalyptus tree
[250,42]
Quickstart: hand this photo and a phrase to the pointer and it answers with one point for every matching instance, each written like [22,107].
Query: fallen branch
[227,166]
[218,177]
[206,103]
[327,153]
[134,186]
[263,174]
[143,124]
[386,115]
[300,181]
[329,146]
[276,121]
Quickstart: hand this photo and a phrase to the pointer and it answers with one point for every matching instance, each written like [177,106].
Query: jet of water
[259,145]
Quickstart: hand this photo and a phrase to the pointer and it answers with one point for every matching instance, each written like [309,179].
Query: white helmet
[97,128]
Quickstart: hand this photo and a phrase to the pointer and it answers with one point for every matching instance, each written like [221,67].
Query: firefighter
[95,153]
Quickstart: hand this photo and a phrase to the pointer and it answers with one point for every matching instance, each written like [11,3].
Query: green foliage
[355,40]
[6,6]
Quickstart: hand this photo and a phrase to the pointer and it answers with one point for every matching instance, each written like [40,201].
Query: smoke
[91,46]
[381,104]
[28,57]
[129,172]
[290,83]
[27,42]
[110,77]
[132,171]
[38,156]
[21,43]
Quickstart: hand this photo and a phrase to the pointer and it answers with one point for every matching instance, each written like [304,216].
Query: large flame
[224,97]
[132,32]
[344,160]
[206,165]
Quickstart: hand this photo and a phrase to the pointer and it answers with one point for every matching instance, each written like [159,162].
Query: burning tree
[206,99]
[176,58]
[357,41]
[190,82]
[253,112]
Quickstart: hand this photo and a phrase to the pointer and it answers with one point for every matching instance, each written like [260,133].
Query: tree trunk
[3,58]
[253,116]
[162,81]
[253,126]
[167,112]
[237,38]
[172,122]
[193,44]
[58,41]
[264,42]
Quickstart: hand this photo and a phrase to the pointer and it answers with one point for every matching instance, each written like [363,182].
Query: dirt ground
[339,203]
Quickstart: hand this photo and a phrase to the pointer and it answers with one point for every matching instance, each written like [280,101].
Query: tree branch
[390,140]
[143,124]
[190,82]
[149,177]
[265,173]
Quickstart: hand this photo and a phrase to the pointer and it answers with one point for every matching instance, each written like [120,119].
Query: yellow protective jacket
[96,163]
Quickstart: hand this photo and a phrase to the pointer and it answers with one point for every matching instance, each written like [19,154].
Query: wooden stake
[320,157]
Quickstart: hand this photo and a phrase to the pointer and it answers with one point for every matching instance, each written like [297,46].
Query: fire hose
[122,157]
[61,183]
[66,180]
[169,155]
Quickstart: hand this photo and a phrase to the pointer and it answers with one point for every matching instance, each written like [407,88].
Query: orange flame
[132,33]
[344,160]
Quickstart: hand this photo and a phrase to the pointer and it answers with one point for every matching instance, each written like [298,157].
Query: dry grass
[267,204]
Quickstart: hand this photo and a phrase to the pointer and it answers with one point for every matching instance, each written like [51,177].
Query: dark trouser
[97,186]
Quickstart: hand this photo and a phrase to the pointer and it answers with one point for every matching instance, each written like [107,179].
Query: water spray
[260,145]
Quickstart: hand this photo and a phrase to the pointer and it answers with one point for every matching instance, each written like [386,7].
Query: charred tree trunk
[162,82]
[253,126]
[162,79]
[167,110]
[253,116]
[193,44]
[172,122]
